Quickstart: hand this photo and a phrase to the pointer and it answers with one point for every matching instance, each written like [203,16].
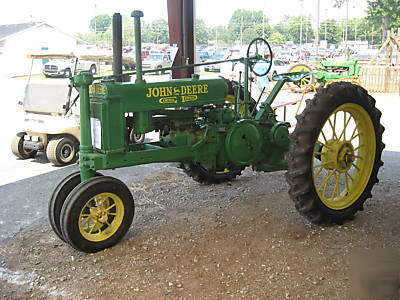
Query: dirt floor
[242,239]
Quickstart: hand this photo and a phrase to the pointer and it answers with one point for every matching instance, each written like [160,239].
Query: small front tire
[97,214]
[58,197]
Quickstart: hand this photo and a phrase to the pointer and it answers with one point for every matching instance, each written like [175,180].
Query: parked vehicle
[203,55]
[278,67]
[51,120]
[216,67]
[157,61]
[66,67]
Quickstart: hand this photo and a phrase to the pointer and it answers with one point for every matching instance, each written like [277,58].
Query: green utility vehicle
[332,157]
[328,71]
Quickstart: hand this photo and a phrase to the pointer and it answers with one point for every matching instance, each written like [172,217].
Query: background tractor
[327,72]
[332,157]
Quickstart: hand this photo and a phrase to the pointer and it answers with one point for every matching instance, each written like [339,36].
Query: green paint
[205,129]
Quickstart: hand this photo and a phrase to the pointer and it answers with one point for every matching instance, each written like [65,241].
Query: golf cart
[51,118]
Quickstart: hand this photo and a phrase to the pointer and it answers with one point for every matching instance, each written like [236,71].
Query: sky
[74,15]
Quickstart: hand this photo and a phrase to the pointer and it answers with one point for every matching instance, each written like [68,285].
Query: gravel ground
[242,239]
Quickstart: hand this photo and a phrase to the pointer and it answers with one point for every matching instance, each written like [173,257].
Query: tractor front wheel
[97,214]
[335,154]
[57,200]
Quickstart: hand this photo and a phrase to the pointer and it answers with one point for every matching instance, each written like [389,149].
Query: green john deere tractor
[327,72]
[332,157]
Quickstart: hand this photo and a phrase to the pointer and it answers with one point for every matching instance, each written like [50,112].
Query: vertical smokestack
[117,45]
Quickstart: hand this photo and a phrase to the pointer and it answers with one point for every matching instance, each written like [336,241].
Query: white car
[157,61]
[65,67]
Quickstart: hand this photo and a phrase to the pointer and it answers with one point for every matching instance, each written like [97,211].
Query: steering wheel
[258,50]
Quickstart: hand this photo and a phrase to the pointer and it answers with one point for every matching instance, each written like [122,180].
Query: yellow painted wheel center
[344,156]
[101,217]
[338,155]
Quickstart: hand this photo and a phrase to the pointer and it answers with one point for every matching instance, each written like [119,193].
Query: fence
[381,79]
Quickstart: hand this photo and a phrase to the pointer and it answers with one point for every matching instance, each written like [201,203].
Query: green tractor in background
[327,72]
[332,157]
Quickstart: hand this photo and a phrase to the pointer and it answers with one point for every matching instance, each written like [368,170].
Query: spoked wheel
[97,214]
[57,199]
[18,149]
[202,175]
[309,80]
[335,154]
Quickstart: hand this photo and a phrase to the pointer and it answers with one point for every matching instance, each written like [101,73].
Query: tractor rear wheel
[58,197]
[97,214]
[335,154]
[62,150]
[17,147]
[202,175]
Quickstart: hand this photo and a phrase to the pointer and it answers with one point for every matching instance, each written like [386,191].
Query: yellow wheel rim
[101,217]
[305,80]
[344,156]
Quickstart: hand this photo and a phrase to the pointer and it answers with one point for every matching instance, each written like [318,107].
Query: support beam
[181,33]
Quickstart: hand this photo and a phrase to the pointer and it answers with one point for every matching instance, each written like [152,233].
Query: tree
[385,12]
[338,3]
[220,35]
[276,38]
[263,30]
[100,23]
[331,31]
[298,24]
[249,34]
[202,32]
[155,32]
[243,19]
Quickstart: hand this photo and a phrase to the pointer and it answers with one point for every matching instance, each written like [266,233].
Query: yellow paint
[101,217]
[347,156]
[168,100]
[189,98]
[97,89]
[168,91]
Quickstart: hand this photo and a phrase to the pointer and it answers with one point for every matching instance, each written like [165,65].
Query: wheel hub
[338,155]
[99,214]
[66,151]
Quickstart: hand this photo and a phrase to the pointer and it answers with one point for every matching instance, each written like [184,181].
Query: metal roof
[7,30]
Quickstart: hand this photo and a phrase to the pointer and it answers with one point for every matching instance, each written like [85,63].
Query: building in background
[18,40]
